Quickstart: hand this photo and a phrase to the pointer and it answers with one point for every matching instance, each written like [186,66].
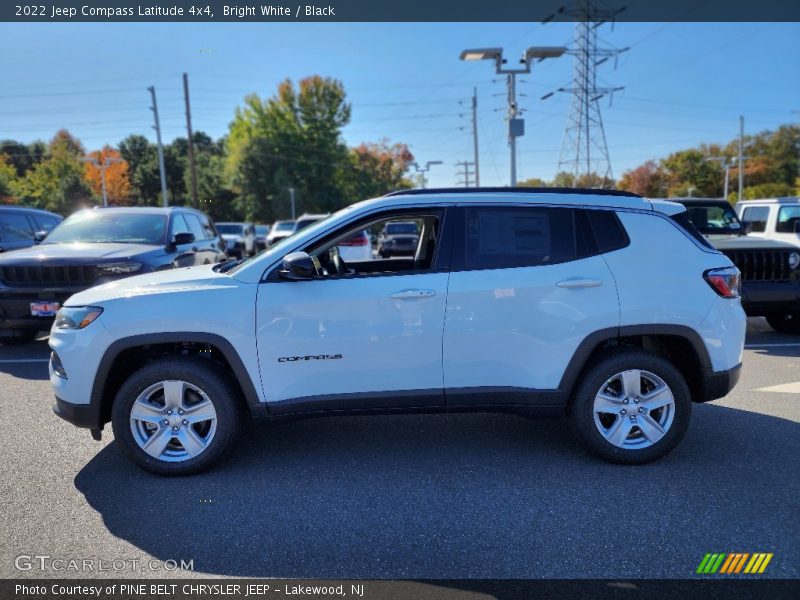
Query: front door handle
[577,283]
[412,294]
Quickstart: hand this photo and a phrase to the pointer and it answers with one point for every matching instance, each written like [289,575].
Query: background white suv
[773,218]
[601,305]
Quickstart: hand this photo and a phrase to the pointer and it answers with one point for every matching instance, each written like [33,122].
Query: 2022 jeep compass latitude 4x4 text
[603,305]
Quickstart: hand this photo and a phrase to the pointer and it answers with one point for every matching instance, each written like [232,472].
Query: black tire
[785,323]
[581,409]
[206,376]
[19,336]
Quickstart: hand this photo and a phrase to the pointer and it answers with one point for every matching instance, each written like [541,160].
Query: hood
[161,282]
[232,237]
[744,242]
[75,253]
[401,236]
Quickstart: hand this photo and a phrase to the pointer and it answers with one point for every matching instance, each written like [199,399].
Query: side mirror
[298,266]
[39,236]
[748,227]
[183,238]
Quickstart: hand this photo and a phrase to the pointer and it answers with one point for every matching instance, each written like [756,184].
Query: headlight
[794,260]
[70,317]
[119,268]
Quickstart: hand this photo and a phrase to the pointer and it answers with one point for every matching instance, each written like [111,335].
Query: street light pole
[291,197]
[741,158]
[516,126]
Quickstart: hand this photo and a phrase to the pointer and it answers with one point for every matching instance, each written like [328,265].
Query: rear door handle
[578,283]
[412,294]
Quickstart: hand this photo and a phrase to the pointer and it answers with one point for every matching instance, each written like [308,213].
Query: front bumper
[80,415]
[718,384]
[762,298]
[15,308]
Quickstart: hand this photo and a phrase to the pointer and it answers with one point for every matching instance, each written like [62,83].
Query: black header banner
[288,11]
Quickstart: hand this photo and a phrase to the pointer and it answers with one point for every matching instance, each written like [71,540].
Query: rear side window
[503,237]
[757,215]
[682,220]
[609,233]
[15,227]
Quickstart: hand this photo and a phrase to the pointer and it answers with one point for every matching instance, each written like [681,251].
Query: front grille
[762,265]
[36,275]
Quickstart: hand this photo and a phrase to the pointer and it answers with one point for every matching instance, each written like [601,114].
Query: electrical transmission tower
[584,152]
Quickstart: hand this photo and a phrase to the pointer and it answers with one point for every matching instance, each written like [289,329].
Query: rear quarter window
[682,220]
[609,233]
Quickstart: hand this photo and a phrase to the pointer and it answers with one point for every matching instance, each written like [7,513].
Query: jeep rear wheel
[785,323]
[632,407]
[177,416]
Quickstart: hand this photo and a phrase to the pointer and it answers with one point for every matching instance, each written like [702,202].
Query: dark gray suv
[96,246]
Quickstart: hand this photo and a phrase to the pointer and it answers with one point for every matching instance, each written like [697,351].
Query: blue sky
[685,83]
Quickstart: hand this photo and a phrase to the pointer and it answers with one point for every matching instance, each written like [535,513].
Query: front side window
[195,226]
[757,215]
[46,223]
[788,220]
[178,225]
[502,237]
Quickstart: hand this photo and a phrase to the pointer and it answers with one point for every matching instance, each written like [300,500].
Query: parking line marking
[23,360]
[785,388]
[784,345]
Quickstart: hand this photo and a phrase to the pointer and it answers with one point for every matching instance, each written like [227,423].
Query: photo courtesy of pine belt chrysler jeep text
[602,305]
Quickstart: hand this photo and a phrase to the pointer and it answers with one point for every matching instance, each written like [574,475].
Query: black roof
[513,190]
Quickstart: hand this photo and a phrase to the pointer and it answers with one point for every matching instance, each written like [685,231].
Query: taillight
[356,240]
[727,281]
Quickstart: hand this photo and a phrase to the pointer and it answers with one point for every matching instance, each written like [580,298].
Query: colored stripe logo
[733,563]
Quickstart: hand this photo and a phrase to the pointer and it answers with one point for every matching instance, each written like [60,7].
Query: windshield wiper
[226,266]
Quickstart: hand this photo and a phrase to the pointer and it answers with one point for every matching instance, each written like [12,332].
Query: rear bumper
[80,415]
[761,298]
[718,384]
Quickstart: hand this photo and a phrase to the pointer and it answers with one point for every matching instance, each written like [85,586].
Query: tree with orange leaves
[118,185]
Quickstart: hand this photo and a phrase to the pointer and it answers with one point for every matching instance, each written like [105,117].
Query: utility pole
[467,175]
[425,169]
[516,126]
[157,127]
[291,198]
[726,164]
[741,158]
[192,167]
[475,135]
[103,166]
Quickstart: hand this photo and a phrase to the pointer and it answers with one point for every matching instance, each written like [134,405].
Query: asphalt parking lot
[444,496]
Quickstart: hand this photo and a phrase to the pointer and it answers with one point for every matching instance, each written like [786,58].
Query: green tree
[142,159]
[8,179]
[689,173]
[291,139]
[533,182]
[57,183]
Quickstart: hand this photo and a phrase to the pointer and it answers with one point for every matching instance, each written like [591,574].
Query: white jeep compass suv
[602,305]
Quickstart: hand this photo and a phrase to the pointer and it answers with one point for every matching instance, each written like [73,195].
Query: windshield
[230,228]
[102,225]
[400,228]
[262,229]
[284,226]
[713,218]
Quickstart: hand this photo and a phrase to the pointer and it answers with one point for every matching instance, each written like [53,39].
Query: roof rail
[512,190]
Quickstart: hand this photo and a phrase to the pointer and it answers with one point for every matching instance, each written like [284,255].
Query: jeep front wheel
[632,407]
[177,416]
